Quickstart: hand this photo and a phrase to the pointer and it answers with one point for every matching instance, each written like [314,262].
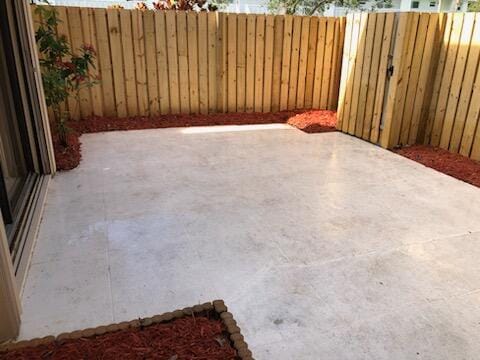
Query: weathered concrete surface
[323,246]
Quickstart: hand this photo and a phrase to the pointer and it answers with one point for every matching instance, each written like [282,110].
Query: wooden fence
[453,119]
[412,78]
[160,62]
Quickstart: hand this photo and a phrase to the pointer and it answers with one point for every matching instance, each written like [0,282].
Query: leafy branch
[63,72]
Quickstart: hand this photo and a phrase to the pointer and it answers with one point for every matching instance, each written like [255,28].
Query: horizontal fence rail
[168,62]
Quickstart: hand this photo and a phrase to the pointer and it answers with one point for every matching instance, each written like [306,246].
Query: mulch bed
[455,165]
[209,333]
[187,338]
[69,157]
[314,121]
[304,120]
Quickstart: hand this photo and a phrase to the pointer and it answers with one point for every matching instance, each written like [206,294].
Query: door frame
[25,69]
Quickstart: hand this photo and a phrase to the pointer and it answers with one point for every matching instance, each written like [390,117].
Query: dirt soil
[69,157]
[455,165]
[188,338]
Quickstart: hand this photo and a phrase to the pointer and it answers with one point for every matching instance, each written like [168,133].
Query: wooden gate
[366,59]
[386,66]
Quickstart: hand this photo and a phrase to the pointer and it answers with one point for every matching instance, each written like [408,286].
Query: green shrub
[64,73]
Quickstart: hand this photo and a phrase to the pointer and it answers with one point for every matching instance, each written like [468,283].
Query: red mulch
[455,165]
[187,338]
[308,121]
[314,121]
[67,157]
[304,120]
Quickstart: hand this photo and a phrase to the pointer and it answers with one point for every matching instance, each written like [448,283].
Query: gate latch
[390,71]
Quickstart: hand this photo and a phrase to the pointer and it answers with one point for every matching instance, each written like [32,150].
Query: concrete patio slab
[323,246]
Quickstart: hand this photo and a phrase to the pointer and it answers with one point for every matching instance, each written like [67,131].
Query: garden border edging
[217,306]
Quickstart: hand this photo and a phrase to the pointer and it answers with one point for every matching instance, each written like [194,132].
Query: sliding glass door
[25,150]
[15,159]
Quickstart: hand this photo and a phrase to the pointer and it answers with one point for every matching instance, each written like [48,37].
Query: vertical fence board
[140,64]
[336,70]
[327,63]
[192,36]
[287,47]
[397,88]
[366,69]
[475,155]
[381,81]
[453,45]
[442,58]
[268,66]
[311,57]
[241,60]
[319,62]
[250,65]
[172,57]
[182,51]
[105,63]
[96,90]
[259,62]
[389,129]
[151,62]
[162,62]
[358,73]
[466,89]
[82,106]
[302,63]
[344,76]
[86,102]
[425,72]
[294,61]
[129,62]
[473,109]
[232,62]
[222,63]
[355,35]
[63,30]
[203,62]
[277,63]
[404,121]
[457,79]
[117,61]
[373,75]
[411,93]
[212,62]
[431,89]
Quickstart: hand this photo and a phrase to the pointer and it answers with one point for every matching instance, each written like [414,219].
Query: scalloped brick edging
[217,306]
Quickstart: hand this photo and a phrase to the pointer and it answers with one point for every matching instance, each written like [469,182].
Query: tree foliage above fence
[314,7]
